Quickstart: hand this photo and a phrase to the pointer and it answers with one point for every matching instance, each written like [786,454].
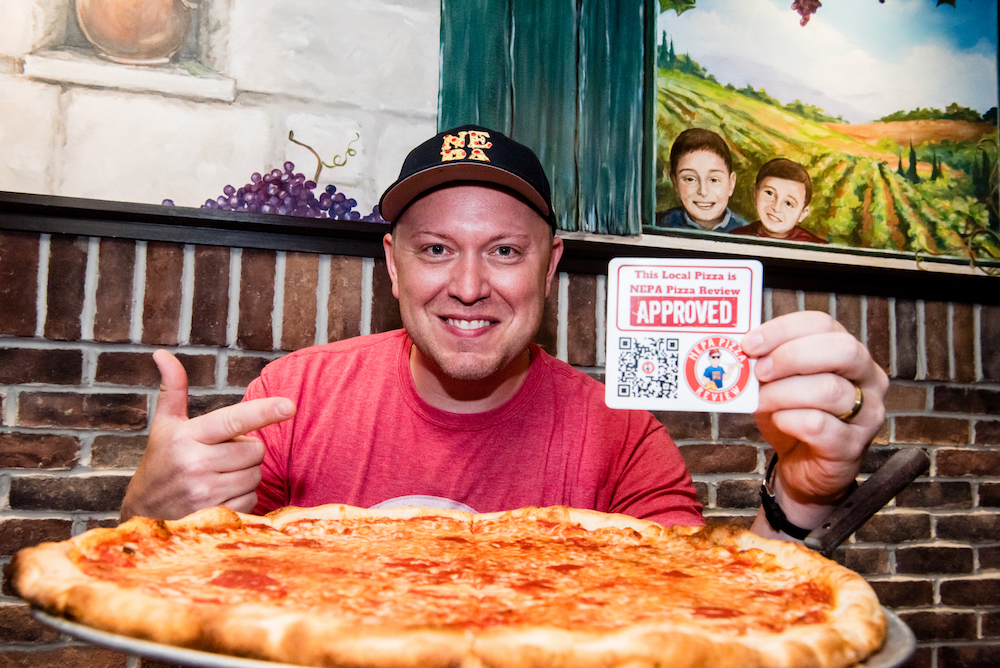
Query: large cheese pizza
[419,587]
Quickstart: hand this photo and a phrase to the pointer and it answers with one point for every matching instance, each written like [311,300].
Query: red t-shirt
[363,436]
[756,229]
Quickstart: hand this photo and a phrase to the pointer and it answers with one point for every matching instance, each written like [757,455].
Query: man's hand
[808,365]
[190,464]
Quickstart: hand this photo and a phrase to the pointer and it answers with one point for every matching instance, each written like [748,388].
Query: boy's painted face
[780,205]
[704,185]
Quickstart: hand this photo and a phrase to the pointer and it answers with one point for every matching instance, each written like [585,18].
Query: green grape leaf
[681,6]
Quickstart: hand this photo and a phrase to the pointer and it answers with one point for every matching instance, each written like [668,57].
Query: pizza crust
[48,577]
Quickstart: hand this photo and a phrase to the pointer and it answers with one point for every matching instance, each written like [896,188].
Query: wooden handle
[888,481]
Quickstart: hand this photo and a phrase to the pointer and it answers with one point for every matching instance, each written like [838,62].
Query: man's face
[471,266]
[704,186]
[780,205]
[716,359]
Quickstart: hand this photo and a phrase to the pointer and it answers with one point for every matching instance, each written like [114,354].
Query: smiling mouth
[468,324]
[704,205]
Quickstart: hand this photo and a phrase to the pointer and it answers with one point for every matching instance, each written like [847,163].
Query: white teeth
[468,324]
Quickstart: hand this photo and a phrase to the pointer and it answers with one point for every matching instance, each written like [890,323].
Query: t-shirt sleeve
[653,481]
[272,493]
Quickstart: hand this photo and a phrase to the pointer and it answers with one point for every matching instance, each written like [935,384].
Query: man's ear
[390,263]
[554,256]
[732,183]
[803,215]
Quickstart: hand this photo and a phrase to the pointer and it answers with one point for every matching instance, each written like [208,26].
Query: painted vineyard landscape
[900,144]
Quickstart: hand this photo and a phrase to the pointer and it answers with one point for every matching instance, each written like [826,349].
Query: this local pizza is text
[420,587]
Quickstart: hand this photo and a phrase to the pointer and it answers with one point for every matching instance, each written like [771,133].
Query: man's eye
[436,249]
[505,251]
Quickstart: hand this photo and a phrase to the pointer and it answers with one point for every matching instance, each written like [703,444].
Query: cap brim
[405,191]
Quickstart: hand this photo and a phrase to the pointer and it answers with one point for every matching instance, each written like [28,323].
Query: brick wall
[80,316]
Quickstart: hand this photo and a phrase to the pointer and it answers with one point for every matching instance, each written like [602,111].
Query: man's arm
[191,464]
[808,366]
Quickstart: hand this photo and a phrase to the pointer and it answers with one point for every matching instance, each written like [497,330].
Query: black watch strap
[773,512]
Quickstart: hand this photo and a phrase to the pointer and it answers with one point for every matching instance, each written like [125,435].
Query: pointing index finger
[225,424]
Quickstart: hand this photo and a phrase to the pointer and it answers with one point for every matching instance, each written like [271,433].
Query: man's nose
[702,188]
[470,280]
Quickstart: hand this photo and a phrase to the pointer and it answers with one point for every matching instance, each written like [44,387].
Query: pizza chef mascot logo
[717,370]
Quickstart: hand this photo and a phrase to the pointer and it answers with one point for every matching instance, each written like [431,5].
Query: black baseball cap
[469,153]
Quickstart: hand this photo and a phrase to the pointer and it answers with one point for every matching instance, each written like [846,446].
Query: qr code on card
[648,367]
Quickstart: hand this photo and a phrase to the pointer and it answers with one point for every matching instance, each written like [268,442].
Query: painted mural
[852,122]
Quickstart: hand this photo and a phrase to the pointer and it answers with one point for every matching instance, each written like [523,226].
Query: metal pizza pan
[898,646]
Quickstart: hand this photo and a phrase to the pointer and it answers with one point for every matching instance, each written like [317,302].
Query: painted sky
[859,59]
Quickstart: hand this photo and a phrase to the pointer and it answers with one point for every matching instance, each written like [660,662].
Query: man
[461,409]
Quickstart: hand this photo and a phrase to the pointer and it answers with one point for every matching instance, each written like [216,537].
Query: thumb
[172,402]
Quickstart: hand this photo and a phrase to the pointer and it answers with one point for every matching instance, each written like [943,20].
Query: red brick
[933,625]
[905,398]
[64,294]
[922,657]
[87,656]
[743,521]
[242,370]
[199,404]
[934,559]
[298,328]
[34,365]
[18,534]
[991,624]
[254,330]
[210,299]
[906,339]
[849,313]
[18,626]
[18,283]
[929,429]
[716,458]
[117,451]
[989,494]
[989,331]
[548,335]
[864,560]
[738,494]
[116,267]
[701,491]
[937,495]
[972,593]
[581,348]
[139,369]
[101,524]
[988,432]
[816,301]
[739,425]
[989,558]
[385,308]
[975,528]
[38,451]
[82,411]
[904,593]
[895,528]
[956,463]
[683,426]
[783,302]
[344,304]
[980,655]
[161,305]
[936,340]
[877,317]
[963,336]
[82,493]
[966,400]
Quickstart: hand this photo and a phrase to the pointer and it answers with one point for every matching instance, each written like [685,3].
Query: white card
[673,334]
